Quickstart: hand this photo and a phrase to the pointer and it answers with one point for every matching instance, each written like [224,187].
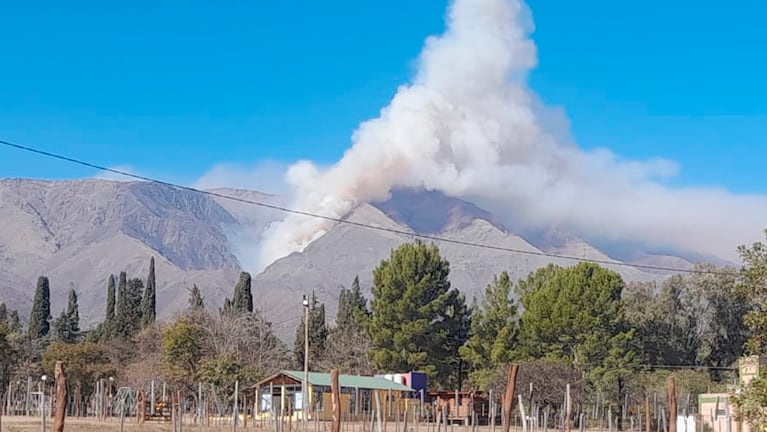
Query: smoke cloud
[469,126]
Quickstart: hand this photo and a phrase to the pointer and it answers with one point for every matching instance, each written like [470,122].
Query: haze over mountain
[78,232]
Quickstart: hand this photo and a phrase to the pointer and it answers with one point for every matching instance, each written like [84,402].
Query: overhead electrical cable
[405,233]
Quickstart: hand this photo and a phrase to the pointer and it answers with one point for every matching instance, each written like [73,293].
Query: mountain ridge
[77,232]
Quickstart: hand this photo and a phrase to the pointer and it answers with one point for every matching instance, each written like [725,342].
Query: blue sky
[174,89]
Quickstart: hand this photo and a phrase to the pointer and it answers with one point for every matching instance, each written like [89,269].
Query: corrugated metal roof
[349,381]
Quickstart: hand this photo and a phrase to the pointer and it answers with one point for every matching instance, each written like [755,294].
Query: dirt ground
[31,424]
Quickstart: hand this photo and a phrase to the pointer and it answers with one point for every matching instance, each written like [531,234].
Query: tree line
[582,325]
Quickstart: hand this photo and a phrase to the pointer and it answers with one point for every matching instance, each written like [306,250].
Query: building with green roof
[280,395]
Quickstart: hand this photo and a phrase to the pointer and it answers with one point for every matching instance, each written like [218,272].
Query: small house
[281,396]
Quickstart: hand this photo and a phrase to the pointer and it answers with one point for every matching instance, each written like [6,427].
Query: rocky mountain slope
[78,232]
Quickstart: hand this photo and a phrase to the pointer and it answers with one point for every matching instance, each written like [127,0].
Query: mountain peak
[432,212]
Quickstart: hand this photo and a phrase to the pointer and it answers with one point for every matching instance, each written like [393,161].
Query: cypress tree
[14,322]
[352,308]
[242,302]
[107,328]
[318,335]
[63,329]
[149,302]
[41,310]
[3,314]
[73,311]
[128,317]
[196,302]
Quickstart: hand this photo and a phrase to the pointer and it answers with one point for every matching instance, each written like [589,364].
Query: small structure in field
[280,396]
[461,406]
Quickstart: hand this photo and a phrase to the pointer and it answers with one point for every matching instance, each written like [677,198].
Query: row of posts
[528,422]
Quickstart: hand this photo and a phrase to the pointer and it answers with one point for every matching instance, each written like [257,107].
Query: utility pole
[305,396]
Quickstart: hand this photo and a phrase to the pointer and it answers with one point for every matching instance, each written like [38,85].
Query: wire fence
[207,407]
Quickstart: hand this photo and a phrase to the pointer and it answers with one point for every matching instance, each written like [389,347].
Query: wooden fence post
[336,400]
[508,397]
[647,415]
[61,397]
[672,411]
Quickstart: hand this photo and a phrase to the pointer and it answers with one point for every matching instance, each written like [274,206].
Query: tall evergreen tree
[3,313]
[39,325]
[196,301]
[418,320]
[318,335]
[128,314]
[348,343]
[64,329]
[107,328]
[352,308]
[576,315]
[149,302]
[14,322]
[242,302]
[493,331]
[73,311]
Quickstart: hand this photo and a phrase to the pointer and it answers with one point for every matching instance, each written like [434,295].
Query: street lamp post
[111,401]
[44,378]
[305,395]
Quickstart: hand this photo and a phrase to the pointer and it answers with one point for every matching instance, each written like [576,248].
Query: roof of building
[346,381]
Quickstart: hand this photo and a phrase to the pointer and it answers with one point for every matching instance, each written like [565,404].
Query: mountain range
[77,232]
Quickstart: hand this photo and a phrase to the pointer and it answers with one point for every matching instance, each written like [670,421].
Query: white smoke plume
[469,126]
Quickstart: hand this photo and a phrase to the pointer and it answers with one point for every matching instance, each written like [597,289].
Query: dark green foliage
[14,322]
[318,335]
[149,302]
[753,284]
[352,312]
[64,329]
[695,319]
[576,315]
[73,311]
[348,343]
[196,301]
[242,302]
[223,371]
[128,313]
[417,320]
[3,313]
[7,354]
[494,326]
[41,310]
[226,309]
[107,328]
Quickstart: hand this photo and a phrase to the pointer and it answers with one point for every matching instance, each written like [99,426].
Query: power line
[353,223]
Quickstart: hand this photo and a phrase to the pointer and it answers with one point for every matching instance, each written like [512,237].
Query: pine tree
[318,335]
[418,321]
[242,302]
[196,301]
[494,326]
[149,302]
[41,310]
[73,311]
